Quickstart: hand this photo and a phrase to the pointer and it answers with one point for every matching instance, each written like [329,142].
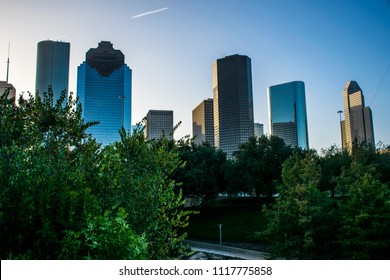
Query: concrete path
[226,250]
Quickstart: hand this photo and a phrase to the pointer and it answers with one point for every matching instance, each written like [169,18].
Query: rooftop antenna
[8,63]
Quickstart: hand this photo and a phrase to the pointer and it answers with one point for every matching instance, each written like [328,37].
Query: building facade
[287,113]
[259,130]
[203,122]
[104,91]
[159,123]
[52,68]
[357,125]
[233,102]
[5,86]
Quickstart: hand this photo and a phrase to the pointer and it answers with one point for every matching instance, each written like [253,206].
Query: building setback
[104,91]
[203,122]
[287,113]
[233,102]
[357,124]
[159,123]
[52,68]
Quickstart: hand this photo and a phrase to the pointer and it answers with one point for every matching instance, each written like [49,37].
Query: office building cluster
[233,121]
[104,89]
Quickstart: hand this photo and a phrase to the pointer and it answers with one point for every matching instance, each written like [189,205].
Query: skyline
[171,51]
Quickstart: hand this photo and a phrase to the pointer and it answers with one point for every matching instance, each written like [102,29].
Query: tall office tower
[104,90]
[287,113]
[233,102]
[259,130]
[4,86]
[203,122]
[159,123]
[358,124]
[52,68]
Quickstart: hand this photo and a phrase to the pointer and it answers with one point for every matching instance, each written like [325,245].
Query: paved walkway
[226,250]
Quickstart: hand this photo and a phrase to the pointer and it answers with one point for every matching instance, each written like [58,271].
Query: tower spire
[8,63]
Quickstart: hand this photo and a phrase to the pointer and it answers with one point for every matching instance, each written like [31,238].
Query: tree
[383,167]
[365,213]
[137,176]
[46,174]
[307,224]
[332,162]
[203,172]
[62,196]
[260,164]
[299,224]
[105,238]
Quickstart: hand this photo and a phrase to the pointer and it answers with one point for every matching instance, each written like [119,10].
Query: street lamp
[220,233]
[341,128]
[339,112]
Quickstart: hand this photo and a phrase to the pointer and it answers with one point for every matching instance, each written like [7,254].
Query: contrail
[149,13]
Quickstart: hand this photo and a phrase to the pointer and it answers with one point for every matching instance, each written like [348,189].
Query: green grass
[241,218]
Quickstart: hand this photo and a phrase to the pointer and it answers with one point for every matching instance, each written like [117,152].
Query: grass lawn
[241,218]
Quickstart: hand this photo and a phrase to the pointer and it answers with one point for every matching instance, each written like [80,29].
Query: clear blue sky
[323,43]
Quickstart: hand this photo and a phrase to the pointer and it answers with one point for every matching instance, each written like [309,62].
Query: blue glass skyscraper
[52,67]
[104,90]
[287,113]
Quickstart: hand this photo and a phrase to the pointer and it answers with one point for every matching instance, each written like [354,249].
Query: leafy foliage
[62,196]
[204,170]
[105,238]
[138,176]
[297,219]
[305,223]
[259,164]
[365,213]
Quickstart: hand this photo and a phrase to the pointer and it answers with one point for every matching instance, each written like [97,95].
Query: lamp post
[220,233]
[339,112]
[341,128]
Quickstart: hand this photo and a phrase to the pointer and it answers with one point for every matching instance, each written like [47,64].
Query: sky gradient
[171,46]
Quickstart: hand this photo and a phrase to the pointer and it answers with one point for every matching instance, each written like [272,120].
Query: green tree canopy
[259,163]
[365,213]
[299,226]
[62,196]
[203,173]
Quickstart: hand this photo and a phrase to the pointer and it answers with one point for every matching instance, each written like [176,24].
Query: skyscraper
[52,67]
[233,102]
[203,122]
[159,123]
[104,90]
[287,113]
[358,124]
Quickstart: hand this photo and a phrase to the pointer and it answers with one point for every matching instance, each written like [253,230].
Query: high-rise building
[203,122]
[233,102]
[52,68]
[358,124]
[104,90]
[287,113]
[158,124]
[259,130]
